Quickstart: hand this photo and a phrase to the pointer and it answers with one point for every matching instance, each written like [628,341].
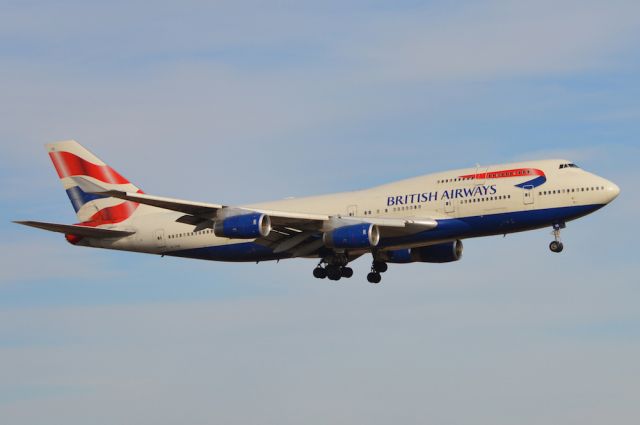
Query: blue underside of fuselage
[450,228]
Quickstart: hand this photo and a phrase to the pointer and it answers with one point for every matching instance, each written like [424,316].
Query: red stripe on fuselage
[502,174]
[68,164]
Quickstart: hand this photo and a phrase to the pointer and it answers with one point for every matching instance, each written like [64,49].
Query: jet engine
[364,235]
[245,226]
[439,253]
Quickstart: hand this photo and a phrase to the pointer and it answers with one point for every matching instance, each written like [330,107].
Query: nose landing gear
[557,246]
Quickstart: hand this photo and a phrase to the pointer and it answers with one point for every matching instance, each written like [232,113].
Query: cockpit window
[570,165]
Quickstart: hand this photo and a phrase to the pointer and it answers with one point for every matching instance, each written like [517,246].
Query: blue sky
[248,101]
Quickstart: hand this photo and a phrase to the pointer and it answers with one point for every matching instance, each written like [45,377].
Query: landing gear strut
[557,246]
[377,267]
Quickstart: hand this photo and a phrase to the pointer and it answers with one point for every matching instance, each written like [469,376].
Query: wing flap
[70,229]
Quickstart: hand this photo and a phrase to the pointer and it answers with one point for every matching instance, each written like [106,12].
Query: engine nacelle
[397,256]
[440,253]
[245,226]
[363,235]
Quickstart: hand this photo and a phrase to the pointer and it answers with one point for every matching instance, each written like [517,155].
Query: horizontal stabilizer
[69,229]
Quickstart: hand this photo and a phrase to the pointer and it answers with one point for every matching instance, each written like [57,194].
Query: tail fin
[72,159]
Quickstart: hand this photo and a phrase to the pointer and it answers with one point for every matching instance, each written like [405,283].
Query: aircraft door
[528,195]
[449,206]
[158,237]
[481,175]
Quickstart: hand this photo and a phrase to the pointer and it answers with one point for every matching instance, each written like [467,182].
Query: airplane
[421,219]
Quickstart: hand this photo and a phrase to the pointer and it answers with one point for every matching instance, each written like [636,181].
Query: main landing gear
[377,267]
[557,246]
[335,269]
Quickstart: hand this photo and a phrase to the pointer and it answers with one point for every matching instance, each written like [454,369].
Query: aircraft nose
[612,191]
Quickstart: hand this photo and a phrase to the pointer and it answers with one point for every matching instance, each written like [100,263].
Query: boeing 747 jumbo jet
[422,219]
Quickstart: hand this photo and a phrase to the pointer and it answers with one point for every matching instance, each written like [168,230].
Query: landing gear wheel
[380,266]
[347,272]
[556,246]
[319,273]
[374,277]
[334,272]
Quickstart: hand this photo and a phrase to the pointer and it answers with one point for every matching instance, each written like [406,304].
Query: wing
[296,233]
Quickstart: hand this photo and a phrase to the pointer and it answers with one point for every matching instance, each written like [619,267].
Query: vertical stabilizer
[71,159]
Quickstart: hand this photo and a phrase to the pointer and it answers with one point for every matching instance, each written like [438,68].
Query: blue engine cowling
[397,256]
[246,226]
[363,235]
[439,253]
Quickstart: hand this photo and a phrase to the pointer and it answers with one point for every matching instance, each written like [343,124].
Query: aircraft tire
[347,272]
[374,277]
[380,266]
[556,246]
[319,273]
[333,272]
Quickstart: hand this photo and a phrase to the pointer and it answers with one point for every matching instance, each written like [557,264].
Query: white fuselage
[465,202]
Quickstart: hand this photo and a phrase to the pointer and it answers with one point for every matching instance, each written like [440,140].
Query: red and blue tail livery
[70,159]
[426,224]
